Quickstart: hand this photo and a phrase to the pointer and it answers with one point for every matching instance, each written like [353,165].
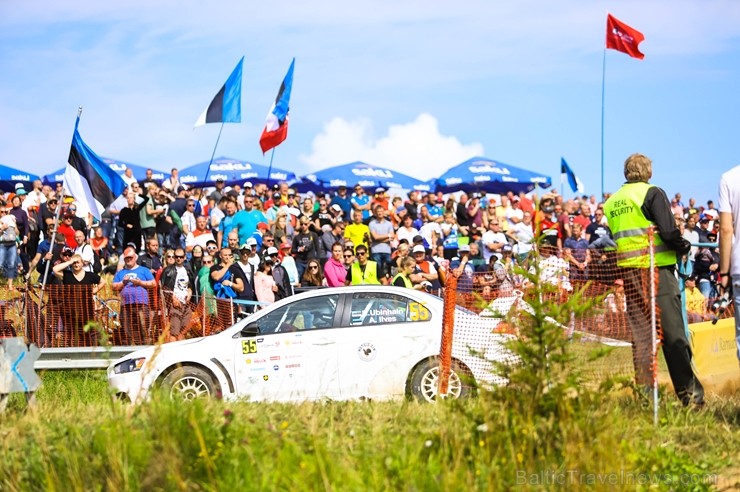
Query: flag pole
[213,154]
[52,241]
[603,85]
[269,169]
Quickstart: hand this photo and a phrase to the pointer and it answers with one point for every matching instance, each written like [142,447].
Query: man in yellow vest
[364,271]
[631,211]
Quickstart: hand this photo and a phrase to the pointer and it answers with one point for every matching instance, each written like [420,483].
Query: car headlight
[129,365]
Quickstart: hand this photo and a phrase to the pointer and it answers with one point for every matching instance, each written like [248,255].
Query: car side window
[380,308]
[313,313]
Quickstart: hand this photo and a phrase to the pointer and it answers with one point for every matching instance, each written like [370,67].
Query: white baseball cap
[419,248]
[272,250]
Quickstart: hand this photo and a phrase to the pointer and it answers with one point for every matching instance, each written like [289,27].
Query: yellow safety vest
[369,277]
[629,227]
[407,282]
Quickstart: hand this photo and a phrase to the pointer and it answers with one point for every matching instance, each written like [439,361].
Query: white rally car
[343,343]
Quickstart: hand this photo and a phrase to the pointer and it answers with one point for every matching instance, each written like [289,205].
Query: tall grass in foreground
[546,430]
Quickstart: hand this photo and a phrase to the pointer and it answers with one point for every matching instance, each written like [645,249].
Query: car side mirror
[251,330]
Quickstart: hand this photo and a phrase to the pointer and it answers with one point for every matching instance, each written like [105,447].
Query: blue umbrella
[366,175]
[139,172]
[232,171]
[10,176]
[489,176]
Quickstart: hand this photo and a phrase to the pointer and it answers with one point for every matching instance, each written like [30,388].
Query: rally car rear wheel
[425,381]
[189,383]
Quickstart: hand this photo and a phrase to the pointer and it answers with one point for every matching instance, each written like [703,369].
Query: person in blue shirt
[133,282]
[361,201]
[343,201]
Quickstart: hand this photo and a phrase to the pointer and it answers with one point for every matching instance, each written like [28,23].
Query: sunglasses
[268,240]
[208,262]
[361,253]
[348,256]
[191,205]
[169,257]
[313,267]
[179,257]
[3,212]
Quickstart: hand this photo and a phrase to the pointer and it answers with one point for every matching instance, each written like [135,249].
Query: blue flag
[90,180]
[566,172]
[226,107]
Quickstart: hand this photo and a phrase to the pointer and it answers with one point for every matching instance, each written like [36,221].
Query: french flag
[226,107]
[90,180]
[276,126]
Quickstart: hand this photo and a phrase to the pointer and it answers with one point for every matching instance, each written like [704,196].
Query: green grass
[77,438]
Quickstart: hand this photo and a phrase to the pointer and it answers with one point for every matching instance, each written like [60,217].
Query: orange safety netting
[619,314]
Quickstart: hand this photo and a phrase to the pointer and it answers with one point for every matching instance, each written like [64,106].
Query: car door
[384,334]
[293,357]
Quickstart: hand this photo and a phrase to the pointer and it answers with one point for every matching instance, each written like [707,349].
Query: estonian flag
[566,172]
[90,180]
[276,126]
[226,107]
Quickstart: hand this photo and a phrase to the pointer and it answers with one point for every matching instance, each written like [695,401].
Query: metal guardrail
[82,357]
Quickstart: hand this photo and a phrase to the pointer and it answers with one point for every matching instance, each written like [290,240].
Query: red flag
[621,37]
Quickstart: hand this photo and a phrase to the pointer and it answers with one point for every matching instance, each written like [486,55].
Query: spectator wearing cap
[462,268]
[287,261]
[342,199]
[380,198]
[706,267]
[306,245]
[514,214]
[8,244]
[576,252]
[265,287]
[273,206]
[65,228]
[703,229]
[426,270]
[280,273]
[364,271]
[696,303]
[220,191]
[360,201]
[381,236]
[133,282]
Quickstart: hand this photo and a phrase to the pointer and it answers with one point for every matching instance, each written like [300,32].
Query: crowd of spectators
[259,244]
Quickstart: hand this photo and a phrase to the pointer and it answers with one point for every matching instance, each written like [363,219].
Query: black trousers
[676,347]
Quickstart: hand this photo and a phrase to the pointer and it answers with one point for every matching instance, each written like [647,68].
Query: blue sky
[414,86]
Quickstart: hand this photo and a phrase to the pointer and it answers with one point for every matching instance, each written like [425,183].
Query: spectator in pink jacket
[334,271]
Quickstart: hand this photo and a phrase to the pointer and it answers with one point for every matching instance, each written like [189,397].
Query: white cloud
[417,148]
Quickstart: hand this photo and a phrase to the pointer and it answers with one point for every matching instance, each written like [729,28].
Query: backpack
[97,267]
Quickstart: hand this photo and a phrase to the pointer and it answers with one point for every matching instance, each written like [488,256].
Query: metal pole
[653,326]
[213,154]
[269,170]
[603,85]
